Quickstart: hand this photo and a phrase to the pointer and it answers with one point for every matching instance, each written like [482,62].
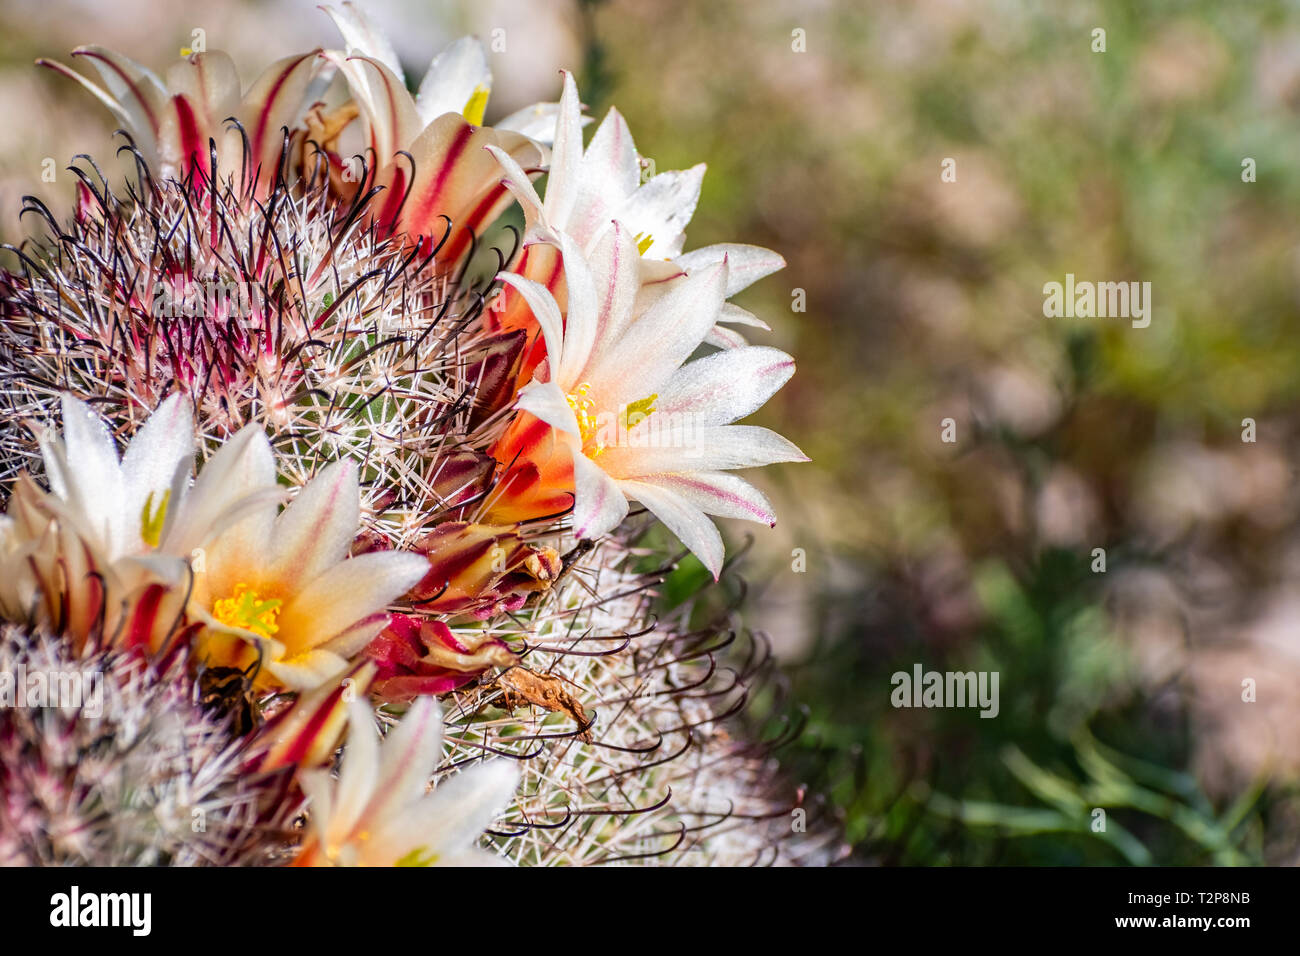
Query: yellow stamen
[584,410]
[476,106]
[151,522]
[644,242]
[247,610]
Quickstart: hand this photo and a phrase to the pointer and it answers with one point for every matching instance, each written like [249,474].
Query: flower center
[248,610]
[597,435]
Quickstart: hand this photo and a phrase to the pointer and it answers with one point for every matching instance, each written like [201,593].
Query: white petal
[521,186]
[359,773]
[93,475]
[452,79]
[610,173]
[137,90]
[581,318]
[617,279]
[661,209]
[563,183]
[537,122]
[162,446]
[242,467]
[315,531]
[452,818]
[724,338]
[132,118]
[599,506]
[748,264]
[735,315]
[547,401]
[611,157]
[307,671]
[547,313]
[691,525]
[210,81]
[352,641]
[361,36]
[726,386]
[411,753]
[660,340]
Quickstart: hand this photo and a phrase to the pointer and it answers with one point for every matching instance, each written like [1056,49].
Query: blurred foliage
[924,302]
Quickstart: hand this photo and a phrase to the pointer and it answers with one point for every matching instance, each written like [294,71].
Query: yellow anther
[583,410]
[247,610]
[476,106]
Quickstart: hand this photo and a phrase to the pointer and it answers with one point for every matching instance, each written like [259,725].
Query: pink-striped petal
[718,493]
[362,37]
[746,264]
[609,173]
[726,386]
[411,753]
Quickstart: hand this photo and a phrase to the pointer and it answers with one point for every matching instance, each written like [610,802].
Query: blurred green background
[909,300]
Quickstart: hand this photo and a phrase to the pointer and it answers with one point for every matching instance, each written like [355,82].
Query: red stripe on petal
[459,242]
[303,742]
[393,202]
[144,617]
[191,140]
[135,91]
[268,107]
[424,212]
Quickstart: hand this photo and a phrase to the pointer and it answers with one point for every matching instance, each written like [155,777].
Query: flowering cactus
[354,478]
